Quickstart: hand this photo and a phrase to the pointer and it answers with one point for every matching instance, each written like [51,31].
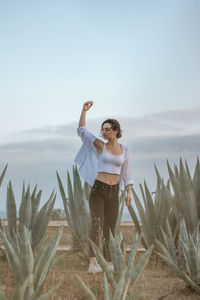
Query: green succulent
[127,273]
[29,255]
[184,257]
[76,206]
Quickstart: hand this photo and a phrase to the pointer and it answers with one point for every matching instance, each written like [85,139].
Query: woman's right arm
[84,133]
[86,106]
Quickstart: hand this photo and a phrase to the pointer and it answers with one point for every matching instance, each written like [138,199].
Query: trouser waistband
[102,184]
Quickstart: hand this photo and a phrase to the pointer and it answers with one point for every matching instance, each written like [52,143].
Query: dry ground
[157,282]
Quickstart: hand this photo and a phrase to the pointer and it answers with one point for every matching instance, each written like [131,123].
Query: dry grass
[157,282]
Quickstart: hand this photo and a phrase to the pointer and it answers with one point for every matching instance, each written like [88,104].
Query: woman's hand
[129,199]
[87,105]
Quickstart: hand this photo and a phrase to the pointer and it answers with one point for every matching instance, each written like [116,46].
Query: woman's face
[107,131]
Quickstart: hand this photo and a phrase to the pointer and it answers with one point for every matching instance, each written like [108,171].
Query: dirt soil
[157,282]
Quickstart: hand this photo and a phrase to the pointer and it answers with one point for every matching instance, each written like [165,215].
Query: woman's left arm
[129,198]
[128,182]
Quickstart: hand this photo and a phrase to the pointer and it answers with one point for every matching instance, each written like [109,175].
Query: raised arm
[84,133]
[86,106]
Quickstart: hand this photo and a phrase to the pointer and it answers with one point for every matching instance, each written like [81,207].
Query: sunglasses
[107,129]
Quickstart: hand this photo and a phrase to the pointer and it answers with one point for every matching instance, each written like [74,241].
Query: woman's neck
[112,143]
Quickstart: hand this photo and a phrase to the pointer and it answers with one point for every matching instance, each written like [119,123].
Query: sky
[131,58]
[137,60]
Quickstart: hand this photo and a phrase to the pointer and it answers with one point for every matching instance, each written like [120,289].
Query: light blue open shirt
[87,158]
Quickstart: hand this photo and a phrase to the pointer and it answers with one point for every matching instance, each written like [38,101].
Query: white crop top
[109,163]
[87,159]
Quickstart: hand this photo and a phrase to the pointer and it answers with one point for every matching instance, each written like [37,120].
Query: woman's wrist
[128,188]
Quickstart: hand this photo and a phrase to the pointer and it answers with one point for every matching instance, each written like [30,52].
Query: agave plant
[29,270]
[127,274]
[154,211]
[29,255]
[186,199]
[76,207]
[29,214]
[183,258]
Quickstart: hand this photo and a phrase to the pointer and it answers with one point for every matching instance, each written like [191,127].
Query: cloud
[35,155]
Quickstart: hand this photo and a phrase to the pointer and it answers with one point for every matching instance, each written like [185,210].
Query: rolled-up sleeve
[126,169]
[85,135]
[86,157]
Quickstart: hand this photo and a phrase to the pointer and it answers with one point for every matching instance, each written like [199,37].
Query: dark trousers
[104,207]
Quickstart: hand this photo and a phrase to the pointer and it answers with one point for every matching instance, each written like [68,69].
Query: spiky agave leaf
[14,240]
[196,185]
[184,196]
[150,209]
[81,224]
[162,206]
[13,259]
[80,208]
[87,293]
[116,253]
[36,296]
[20,290]
[1,225]
[149,216]
[155,211]
[169,242]
[187,267]
[106,288]
[76,208]
[120,290]
[46,259]
[25,210]
[139,206]
[159,179]
[26,260]
[65,201]
[174,181]
[11,210]
[192,261]
[188,199]
[3,174]
[71,211]
[41,221]
[188,171]
[33,195]
[35,202]
[189,253]
[180,274]
[119,218]
[150,225]
[145,215]
[137,224]
[104,265]
[141,265]
[39,248]
[77,180]
[134,249]
[86,190]
[82,211]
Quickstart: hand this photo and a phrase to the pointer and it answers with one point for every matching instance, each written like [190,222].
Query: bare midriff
[108,178]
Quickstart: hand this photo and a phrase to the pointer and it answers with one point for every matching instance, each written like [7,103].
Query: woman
[106,167]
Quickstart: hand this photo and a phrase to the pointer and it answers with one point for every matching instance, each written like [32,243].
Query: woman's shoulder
[124,146]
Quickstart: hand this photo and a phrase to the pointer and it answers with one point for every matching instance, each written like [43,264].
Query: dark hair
[114,125]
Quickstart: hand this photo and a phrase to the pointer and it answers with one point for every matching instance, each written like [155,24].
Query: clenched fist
[87,105]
